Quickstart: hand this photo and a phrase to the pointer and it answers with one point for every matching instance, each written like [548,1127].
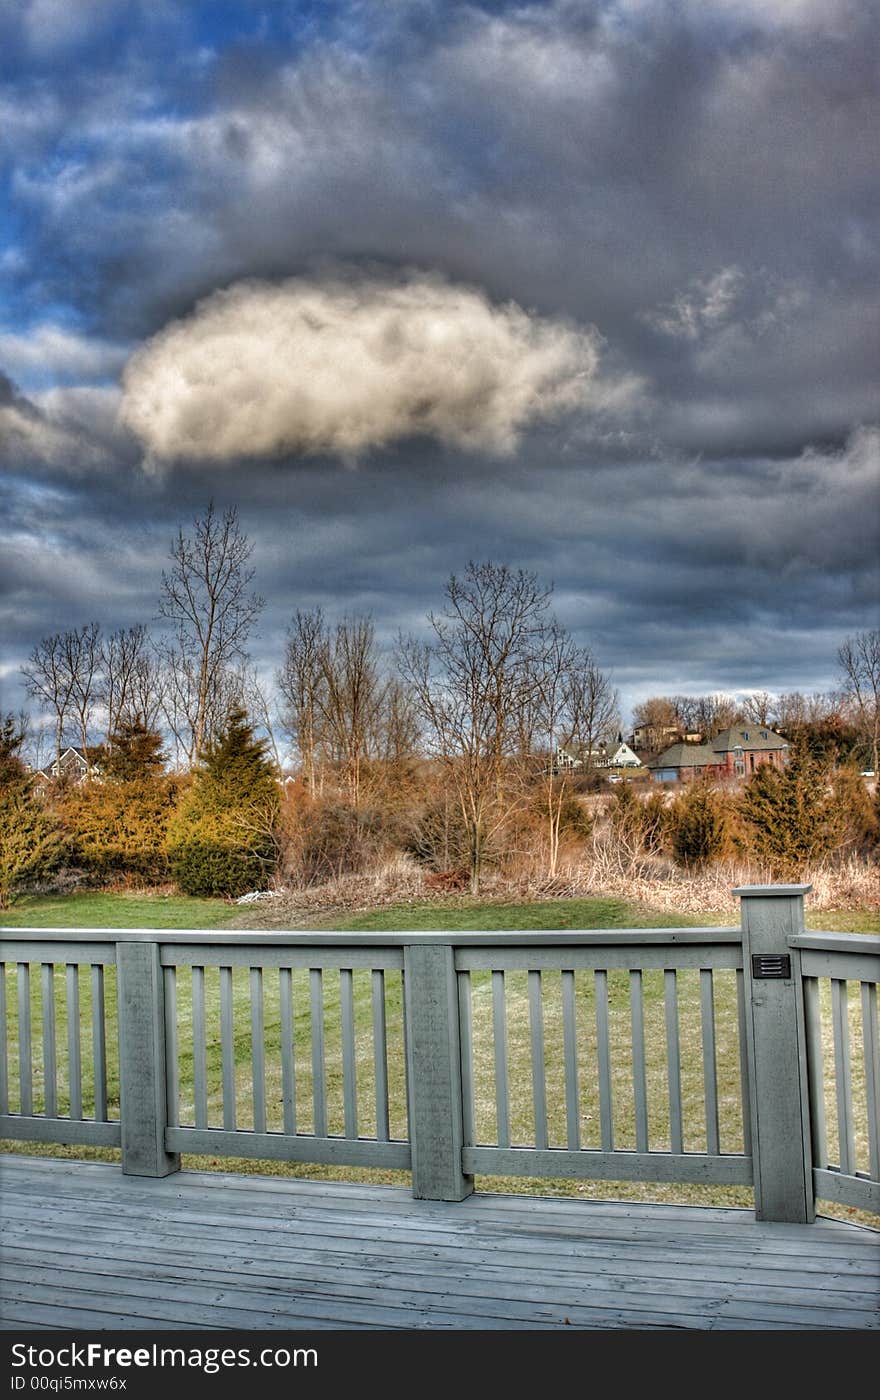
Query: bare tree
[301,683]
[795,711]
[579,708]
[83,657]
[859,661]
[592,707]
[145,694]
[399,730]
[125,666]
[760,708]
[555,695]
[656,723]
[471,682]
[205,597]
[351,696]
[50,680]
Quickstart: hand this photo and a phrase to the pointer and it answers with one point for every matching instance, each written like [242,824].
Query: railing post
[143,1101]
[433,1069]
[776,1052]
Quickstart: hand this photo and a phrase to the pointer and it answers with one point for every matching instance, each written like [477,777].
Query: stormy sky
[589,288]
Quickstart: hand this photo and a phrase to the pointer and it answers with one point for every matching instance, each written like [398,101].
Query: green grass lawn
[122,910]
[569,913]
[106,910]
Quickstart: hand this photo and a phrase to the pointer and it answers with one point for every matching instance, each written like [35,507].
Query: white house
[611,754]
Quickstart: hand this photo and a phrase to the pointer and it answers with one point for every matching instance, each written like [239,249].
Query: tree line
[445,750]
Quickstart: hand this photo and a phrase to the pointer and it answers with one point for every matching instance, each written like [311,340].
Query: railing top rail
[820,940]
[321,938]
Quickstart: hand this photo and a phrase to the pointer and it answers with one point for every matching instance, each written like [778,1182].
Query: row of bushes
[229,827]
[211,832]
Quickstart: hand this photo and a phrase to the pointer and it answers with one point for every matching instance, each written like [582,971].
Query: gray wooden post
[433,1067]
[776,1052]
[143,1102]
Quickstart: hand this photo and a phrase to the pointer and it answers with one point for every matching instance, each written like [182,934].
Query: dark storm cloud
[697,180]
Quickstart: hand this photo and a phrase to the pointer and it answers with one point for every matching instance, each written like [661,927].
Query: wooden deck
[84,1246]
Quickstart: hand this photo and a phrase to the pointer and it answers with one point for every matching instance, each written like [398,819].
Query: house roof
[685,756]
[577,751]
[756,738]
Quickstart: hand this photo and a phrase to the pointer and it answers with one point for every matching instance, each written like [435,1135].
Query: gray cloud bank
[343,366]
[696,179]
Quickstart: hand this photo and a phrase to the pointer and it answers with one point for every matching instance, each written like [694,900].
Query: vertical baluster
[288,1067]
[871,1047]
[172,1063]
[258,1050]
[380,1054]
[539,1079]
[349,1059]
[569,1050]
[603,1050]
[74,1054]
[502,1090]
[227,1048]
[466,1040]
[200,1073]
[816,1071]
[25,1049]
[673,1060]
[99,1045]
[640,1083]
[4,1053]
[710,1072]
[50,1056]
[745,1095]
[843,1074]
[404,1031]
[319,1088]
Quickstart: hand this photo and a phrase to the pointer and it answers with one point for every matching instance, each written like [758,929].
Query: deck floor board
[85,1246]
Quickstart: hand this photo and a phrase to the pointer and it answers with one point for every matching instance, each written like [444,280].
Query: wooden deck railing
[711,1055]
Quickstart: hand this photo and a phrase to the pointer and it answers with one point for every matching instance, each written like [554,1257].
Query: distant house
[682,762]
[652,736]
[735,753]
[611,754]
[72,765]
[743,748]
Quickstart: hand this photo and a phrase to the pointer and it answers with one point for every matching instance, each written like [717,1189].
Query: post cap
[771,891]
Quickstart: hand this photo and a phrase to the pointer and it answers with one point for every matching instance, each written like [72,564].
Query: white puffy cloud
[342,365]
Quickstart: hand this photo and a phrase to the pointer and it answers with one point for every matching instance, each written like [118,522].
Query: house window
[764,734]
[745,734]
[739,768]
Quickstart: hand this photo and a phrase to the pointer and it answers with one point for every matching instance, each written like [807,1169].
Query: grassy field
[157,912]
[123,910]
[103,910]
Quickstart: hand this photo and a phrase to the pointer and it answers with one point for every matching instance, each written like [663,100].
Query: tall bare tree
[471,682]
[399,730]
[351,696]
[128,675]
[50,681]
[760,708]
[145,694]
[578,707]
[206,598]
[83,650]
[301,683]
[859,661]
[592,708]
[656,723]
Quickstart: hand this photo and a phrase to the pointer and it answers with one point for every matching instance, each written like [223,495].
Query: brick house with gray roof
[734,753]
